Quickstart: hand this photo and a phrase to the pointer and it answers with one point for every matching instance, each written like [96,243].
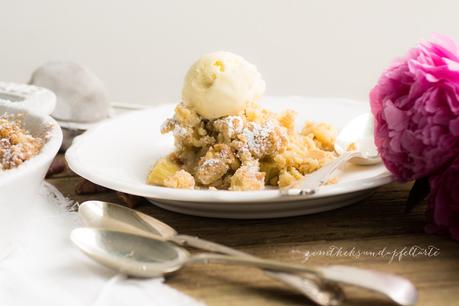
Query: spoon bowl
[117,217]
[359,133]
[132,255]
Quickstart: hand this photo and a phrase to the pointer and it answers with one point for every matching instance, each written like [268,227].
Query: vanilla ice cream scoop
[221,84]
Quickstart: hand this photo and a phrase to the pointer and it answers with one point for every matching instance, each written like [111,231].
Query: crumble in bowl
[17,145]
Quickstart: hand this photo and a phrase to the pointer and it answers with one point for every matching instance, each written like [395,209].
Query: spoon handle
[198,243]
[320,292]
[308,184]
[398,289]
[254,262]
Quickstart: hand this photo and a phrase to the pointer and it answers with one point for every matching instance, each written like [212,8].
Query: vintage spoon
[116,217]
[143,256]
[358,133]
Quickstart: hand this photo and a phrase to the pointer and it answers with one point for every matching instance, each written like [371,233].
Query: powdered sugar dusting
[180,131]
[177,129]
[16,144]
[210,162]
[235,125]
[166,124]
[257,136]
[252,168]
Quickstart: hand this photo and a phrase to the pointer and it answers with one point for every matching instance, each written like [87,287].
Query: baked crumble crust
[16,143]
[247,151]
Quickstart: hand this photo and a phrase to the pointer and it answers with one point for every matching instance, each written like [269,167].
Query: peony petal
[375,103]
[452,65]
[448,45]
[453,101]
[411,143]
[454,127]
[454,205]
[432,134]
[432,103]
[454,232]
[394,144]
[395,118]
[418,88]
[431,78]
[441,117]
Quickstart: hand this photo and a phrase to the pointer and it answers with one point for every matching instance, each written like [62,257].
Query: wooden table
[369,226]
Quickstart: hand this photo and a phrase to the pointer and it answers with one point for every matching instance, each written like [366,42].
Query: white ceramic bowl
[35,99]
[19,186]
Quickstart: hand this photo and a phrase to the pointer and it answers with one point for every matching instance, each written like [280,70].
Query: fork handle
[397,288]
[320,292]
[308,184]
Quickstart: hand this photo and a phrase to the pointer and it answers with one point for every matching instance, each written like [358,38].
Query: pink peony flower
[416,110]
[443,210]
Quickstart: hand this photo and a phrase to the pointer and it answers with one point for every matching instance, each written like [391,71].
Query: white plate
[119,153]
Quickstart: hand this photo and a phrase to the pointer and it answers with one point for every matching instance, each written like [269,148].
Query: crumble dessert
[16,143]
[225,140]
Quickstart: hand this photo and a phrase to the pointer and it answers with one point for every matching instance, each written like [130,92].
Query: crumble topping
[180,179]
[241,152]
[16,144]
[248,177]
[263,140]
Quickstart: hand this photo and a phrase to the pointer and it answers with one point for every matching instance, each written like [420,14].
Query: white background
[142,49]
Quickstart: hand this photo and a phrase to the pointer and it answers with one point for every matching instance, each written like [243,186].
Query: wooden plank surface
[378,223]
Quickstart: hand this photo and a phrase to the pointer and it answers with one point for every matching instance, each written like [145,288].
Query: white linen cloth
[43,268]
